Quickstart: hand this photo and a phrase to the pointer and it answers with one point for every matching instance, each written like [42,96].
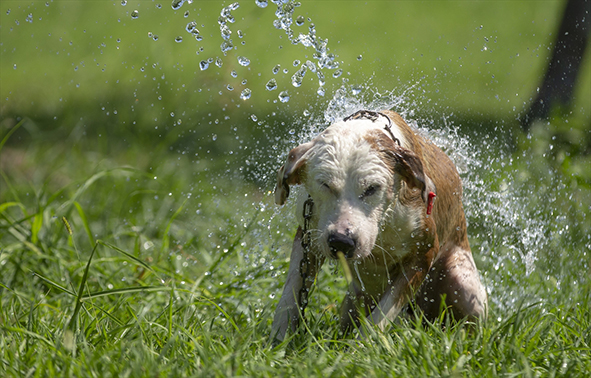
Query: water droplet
[240,34]
[178,39]
[203,65]
[218,62]
[271,85]
[284,96]
[300,20]
[360,57]
[135,14]
[177,4]
[243,61]
[233,73]
[123,2]
[186,14]
[337,73]
[190,26]
[253,117]
[262,3]
[14,66]
[226,46]
[229,87]
[276,69]
[298,77]
[245,95]
[296,63]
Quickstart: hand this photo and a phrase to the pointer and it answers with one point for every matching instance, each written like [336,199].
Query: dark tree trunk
[561,75]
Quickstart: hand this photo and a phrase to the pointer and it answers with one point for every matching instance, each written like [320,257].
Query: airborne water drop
[271,85]
[245,95]
[284,96]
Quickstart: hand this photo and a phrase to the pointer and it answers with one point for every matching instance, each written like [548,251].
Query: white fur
[346,162]
[341,166]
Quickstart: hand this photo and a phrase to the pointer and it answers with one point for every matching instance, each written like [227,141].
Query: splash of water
[512,232]
[324,59]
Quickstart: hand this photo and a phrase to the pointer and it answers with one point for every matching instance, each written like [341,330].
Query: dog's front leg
[401,290]
[287,314]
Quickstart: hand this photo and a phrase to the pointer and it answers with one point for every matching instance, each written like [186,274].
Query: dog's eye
[325,186]
[370,191]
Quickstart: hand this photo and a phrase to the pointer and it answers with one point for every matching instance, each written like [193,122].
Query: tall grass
[126,273]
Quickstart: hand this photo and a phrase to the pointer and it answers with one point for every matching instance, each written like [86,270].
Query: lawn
[138,233]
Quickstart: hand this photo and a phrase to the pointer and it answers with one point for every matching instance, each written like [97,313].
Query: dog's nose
[341,243]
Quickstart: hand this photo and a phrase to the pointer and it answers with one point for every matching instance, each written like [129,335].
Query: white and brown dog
[373,180]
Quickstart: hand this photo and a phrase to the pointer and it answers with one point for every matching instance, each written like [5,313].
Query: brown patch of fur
[448,212]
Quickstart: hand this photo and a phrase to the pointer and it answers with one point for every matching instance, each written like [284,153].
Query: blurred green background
[87,72]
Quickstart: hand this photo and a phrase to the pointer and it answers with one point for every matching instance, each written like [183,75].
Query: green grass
[117,266]
[138,243]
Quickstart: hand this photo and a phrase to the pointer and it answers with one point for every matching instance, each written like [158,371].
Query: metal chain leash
[305,262]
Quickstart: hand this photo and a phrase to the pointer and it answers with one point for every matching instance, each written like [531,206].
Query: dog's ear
[291,172]
[408,165]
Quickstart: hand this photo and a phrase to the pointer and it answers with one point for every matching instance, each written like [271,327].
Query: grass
[138,243]
[167,269]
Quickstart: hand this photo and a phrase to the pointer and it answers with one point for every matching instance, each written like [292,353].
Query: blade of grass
[64,208]
[231,249]
[126,290]
[343,260]
[223,312]
[10,132]
[31,334]
[166,237]
[170,312]
[55,285]
[72,322]
[36,226]
[132,257]
[6,205]
[84,222]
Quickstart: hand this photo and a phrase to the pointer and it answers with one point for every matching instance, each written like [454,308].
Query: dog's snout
[339,242]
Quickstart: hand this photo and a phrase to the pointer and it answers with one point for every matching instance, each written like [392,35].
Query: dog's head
[356,172]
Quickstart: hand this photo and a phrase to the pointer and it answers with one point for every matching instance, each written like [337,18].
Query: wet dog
[388,202]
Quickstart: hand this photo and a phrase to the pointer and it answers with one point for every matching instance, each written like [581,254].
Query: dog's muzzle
[338,242]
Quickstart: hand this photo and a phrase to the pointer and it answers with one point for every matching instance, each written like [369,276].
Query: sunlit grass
[111,270]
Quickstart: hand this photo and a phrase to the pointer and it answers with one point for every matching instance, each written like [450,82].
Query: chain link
[305,262]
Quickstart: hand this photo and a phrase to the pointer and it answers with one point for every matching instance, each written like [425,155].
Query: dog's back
[454,274]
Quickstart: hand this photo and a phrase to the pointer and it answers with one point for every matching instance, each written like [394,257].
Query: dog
[388,202]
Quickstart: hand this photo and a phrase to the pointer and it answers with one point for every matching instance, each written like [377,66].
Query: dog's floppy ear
[408,165]
[290,172]
[405,163]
